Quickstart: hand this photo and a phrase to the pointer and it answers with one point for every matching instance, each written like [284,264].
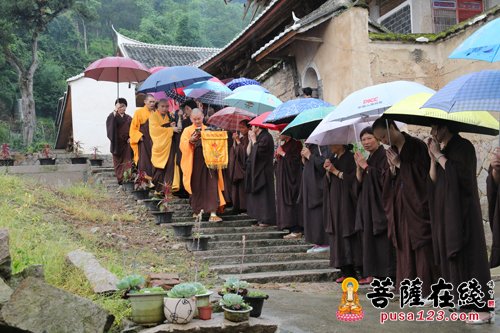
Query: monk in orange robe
[204,185]
[140,140]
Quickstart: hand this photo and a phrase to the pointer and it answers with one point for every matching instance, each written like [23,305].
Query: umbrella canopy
[257,102]
[374,100]
[409,111]
[242,81]
[173,77]
[338,132]
[479,91]
[198,89]
[259,122]
[484,44]
[284,113]
[305,123]
[153,70]
[214,98]
[117,69]
[250,87]
[229,118]
[176,95]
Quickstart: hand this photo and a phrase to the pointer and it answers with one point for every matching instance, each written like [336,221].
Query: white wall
[92,101]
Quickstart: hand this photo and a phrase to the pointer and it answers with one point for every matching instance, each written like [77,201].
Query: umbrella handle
[388,134]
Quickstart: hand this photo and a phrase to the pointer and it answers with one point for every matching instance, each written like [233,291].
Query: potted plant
[128,177]
[95,161]
[182,230]
[6,158]
[235,309]
[255,299]
[233,285]
[163,215]
[197,242]
[142,185]
[45,157]
[204,309]
[147,303]
[77,151]
[180,303]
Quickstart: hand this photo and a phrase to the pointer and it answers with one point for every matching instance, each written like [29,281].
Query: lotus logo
[249,104]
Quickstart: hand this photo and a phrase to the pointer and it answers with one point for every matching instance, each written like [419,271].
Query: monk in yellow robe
[204,185]
[140,140]
[162,129]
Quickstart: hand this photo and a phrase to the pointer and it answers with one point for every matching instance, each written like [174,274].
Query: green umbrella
[305,122]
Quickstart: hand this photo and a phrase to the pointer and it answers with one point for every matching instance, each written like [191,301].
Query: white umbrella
[338,132]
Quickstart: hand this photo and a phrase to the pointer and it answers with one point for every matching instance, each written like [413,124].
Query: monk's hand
[236,138]
[393,158]
[194,137]
[306,153]
[434,149]
[360,160]
[280,151]
[252,136]
[327,164]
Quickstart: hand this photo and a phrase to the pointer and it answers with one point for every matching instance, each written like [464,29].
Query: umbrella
[173,77]
[338,132]
[259,122]
[198,89]
[153,70]
[305,123]
[250,87]
[229,118]
[214,98]
[175,95]
[242,81]
[479,91]
[484,44]
[409,111]
[284,113]
[374,100]
[257,102]
[117,69]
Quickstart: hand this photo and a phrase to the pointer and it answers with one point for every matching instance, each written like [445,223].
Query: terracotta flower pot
[205,312]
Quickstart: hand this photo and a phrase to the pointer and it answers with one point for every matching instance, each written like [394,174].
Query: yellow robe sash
[141,115]
[187,150]
[162,139]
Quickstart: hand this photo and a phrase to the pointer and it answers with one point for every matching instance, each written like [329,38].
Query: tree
[21,25]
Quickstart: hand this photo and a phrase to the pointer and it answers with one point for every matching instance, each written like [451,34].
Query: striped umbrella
[242,81]
[229,118]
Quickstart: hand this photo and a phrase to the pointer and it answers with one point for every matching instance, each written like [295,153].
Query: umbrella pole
[117,83]
[388,134]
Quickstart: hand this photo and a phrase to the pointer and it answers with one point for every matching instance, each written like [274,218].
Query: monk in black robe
[117,128]
[379,257]
[259,177]
[457,225]
[493,189]
[313,177]
[238,166]
[226,173]
[340,212]
[406,204]
[288,182]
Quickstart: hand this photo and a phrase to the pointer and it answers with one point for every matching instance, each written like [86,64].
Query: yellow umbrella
[408,111]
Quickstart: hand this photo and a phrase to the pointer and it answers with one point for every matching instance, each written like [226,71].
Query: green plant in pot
[202,296]
[5,156]
[147,303]
[95,160]
[142,185]
[255,299]
[45,157]
[164,215]
[233,285]
[235,309]
[180,303]
[128,177]
[77,153]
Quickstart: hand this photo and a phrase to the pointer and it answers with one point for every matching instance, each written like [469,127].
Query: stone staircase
[267,256]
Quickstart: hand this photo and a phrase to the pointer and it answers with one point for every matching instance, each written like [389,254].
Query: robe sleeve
[187,150]
[135,133]
[292,166]
[111,131]
[494,217]
[162,140]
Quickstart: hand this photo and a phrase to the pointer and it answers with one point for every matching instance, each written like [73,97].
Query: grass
[46,223]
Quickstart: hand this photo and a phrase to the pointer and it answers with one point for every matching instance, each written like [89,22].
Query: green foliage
[151,290]
[200,289]
[257,294]
[233,302]
[235,283]
[131,283]
[183,290]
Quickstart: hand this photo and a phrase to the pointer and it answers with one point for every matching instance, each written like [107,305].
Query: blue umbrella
[200,88]
[479,91]
[484,44]
[173,77]
[256,102]
[242,81]
[305,123]
[214,98]
[288,110]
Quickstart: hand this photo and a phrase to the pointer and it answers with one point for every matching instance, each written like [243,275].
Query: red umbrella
[259,122]
[153,70]
[229,118]
[117,69]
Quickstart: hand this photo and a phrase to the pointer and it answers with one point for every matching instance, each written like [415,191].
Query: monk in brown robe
[140,139]
[117,128]
[457,225]
[288,173]
[379,257]
[406,204]
[493,189]
[238,166]
[205,185]
[161,130]
[340,212]
[226,174]
[259,177]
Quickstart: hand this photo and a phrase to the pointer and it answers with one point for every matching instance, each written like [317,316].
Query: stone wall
[280,83]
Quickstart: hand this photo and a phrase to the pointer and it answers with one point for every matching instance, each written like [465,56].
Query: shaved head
[197,117]
[196,112]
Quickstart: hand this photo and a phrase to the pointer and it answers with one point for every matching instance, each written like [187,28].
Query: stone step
[266,234]
[287,276]
[235,230]
[102,170]
[228,224]
[237,244]
[300,248]
[269,257]
[271,266]
[225,218]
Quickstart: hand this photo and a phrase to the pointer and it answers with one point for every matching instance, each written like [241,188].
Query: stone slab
[5,292]
[5,260]
[101,280]
[218,325]
[58,175]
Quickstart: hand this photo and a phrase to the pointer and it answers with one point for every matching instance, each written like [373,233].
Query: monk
[140,140]
[457,225]
[406,204]
[161,130]
[379,258]
[238,166]
[204,185]
[340,212]
[493,187]
[259,177]
[288,181]
[313,158]
[117,127]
